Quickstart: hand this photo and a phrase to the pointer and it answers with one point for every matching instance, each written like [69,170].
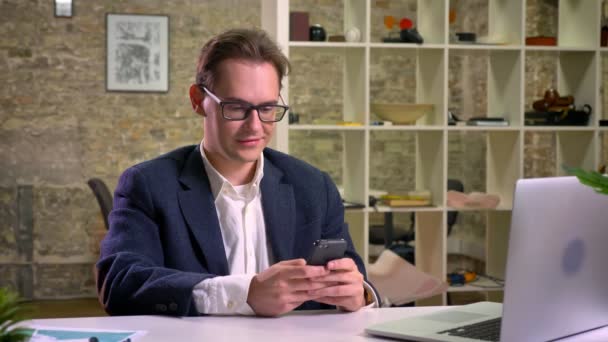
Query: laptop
[556,279]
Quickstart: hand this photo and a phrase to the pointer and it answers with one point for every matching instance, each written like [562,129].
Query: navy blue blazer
[165,238]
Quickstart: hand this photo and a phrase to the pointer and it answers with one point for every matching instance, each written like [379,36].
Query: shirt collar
[218,181]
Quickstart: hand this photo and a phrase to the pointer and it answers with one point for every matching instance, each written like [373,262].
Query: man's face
[234,144]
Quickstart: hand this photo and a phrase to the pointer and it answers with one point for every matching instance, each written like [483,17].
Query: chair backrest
[104,197]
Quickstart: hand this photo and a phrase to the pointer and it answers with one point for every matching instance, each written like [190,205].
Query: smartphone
[326,250]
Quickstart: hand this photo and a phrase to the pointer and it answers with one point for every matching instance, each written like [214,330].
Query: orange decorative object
[541,40]
[389,21]
[452,16]
[405,24]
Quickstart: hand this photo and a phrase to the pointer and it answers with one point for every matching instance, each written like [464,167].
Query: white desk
[298,326]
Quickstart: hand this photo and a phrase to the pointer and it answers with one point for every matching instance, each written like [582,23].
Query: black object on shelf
[404,36]
[466,37]
[603,123]
[572,117]
[411,36]
[317,33]
[352,205]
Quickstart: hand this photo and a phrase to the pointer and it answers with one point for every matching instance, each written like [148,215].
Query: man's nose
[253,118]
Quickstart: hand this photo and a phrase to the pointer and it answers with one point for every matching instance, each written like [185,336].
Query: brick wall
[59,126]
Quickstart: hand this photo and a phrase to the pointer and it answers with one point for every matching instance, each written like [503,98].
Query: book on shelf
[488,122]
[406,202]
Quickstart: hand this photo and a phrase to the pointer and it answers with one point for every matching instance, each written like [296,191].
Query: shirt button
[173,307]
[230,304]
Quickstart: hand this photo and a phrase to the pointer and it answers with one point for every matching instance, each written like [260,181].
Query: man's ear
[196,99]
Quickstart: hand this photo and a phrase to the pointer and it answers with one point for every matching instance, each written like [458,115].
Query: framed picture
[64,8]
[137,52]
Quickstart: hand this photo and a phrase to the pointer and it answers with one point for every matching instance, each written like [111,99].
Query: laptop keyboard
[485,331]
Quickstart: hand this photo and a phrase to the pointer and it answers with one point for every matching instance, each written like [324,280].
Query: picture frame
[63,8]
[137,52]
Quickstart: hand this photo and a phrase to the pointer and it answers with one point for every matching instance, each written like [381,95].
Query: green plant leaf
[593,179]
[10,316]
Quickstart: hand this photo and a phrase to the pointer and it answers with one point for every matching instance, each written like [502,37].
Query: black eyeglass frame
[250,107]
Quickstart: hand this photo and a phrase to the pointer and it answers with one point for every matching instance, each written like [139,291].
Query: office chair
[104,197]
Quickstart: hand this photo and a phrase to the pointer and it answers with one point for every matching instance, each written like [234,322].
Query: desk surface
[298,326]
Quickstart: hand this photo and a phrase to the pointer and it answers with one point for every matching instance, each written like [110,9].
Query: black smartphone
[325,250]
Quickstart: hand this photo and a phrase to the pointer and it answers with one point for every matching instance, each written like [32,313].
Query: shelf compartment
[430,245]
[547,150]
[354,166]
[574,23]
[396,148]
[504,85]
[344,101]
[495,76]
[579,23]
[417,159]
[430,75]
[432,23]
[575,149]
[539,154]
[428,17]
[496,152]
[503,165]
[410,76]
[497,243]
[468,83]
[430,249]
[577,76]
[335,16]
[571,73]
[340,154]
[506,20]
[429,163]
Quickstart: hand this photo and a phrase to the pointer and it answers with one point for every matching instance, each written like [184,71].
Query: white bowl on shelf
[401,113]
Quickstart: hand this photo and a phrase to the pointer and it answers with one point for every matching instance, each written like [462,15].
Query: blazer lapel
[279,212]
[198,207]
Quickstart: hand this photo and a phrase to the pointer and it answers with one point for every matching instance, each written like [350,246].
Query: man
[223,227]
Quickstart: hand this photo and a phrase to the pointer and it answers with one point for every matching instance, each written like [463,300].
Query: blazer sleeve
[131,277]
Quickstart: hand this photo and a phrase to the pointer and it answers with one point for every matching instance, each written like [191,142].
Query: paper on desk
[47,334]
[400,282]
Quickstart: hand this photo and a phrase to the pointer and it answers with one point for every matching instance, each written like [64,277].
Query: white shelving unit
[579,74]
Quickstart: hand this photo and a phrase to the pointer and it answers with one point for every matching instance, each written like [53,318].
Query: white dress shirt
[239,210]
[241,218]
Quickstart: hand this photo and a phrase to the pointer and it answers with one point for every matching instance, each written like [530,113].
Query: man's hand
[344,285]
[284,286]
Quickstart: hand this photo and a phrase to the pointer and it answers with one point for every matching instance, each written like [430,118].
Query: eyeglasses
[239,110]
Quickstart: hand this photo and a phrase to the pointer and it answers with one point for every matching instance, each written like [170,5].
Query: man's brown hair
[245,44]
